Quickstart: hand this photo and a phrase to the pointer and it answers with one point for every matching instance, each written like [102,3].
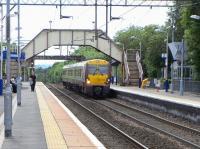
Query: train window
[81,71]
[103,69]
[92,69]
[70,72]
[78,72]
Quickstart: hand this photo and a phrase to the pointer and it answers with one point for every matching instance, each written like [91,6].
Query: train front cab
[98,79]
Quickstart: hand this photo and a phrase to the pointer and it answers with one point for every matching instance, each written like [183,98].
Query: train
[91,77]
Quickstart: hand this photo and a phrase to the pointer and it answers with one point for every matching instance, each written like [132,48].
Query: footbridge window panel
[53,38]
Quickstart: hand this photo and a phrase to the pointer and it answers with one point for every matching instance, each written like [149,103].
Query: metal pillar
[96,33]
[122,65]
[116,75]
[172,76]
[8,93]
[19,63]
[181,80]
[1,67]
[110,10]
[172,69]
[106,18]
[167,52]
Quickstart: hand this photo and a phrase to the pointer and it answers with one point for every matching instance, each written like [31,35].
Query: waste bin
[14,88]
[1,87]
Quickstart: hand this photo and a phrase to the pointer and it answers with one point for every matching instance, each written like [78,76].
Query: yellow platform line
[54,137]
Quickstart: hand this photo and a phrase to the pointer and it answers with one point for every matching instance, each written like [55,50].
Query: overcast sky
[34,19]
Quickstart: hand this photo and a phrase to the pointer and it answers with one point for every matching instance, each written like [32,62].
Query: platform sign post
[8,93]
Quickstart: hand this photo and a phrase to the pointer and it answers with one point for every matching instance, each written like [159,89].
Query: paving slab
[27,130]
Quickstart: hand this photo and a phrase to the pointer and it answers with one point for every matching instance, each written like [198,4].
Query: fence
[188,85]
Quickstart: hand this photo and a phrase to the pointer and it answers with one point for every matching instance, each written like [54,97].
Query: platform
[43,122]
[188,99]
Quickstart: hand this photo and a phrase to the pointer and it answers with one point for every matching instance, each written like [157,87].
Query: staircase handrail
[127,72]
[138,60]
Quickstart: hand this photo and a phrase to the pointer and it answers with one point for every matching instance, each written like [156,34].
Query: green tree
[174,21]
[55,73]
[153,44]
[191,34]
[124,37]
[90,53]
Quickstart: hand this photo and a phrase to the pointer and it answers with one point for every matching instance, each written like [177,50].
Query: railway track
[117,108]
[132,142]
[175,130]
[192,130]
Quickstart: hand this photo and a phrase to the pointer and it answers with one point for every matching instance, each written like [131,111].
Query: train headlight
[88,81]
[108,81]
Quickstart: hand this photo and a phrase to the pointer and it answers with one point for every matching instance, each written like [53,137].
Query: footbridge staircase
[133,65]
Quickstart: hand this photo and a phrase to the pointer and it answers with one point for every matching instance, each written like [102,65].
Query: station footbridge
[77,37]
[71,37]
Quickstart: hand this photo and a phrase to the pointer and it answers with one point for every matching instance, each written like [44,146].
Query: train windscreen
[98,69]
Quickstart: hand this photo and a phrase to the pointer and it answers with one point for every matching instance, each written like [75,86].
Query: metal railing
[138,60]
[127,72]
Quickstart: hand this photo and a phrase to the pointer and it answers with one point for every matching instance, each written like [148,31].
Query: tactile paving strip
[54,137]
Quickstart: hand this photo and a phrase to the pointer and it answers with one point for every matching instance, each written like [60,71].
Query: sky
[35,18]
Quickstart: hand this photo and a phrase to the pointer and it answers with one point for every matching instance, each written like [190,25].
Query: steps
[133,68]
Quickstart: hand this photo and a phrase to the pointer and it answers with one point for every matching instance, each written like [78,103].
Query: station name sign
[13,55]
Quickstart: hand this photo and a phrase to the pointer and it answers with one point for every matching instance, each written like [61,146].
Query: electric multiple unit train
[91,77]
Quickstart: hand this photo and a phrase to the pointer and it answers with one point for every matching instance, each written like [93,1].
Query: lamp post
[8,93]
[140,43]
[19,57]
[167,51]
[166,84]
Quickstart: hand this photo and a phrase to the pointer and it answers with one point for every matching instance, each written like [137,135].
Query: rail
[135,142]
[154,127]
